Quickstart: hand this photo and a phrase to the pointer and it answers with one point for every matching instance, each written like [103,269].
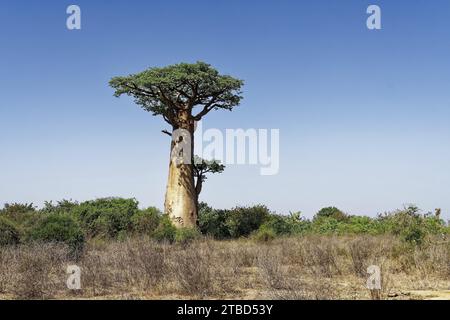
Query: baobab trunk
[181,200]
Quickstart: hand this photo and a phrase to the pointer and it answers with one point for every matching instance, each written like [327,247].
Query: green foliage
[410,225]
[163,91]
[17,208]
[359,225]
[145,221]
[234,223]
[202,166]
[9,232]
[331,212]
[106,217]
[69,222]
[264,234]
[278,224]
[20,214]
[241,221]
[287,225]
[212,222]
[186,235]
[166,231]
[60,207]
[59,228]
[326,225]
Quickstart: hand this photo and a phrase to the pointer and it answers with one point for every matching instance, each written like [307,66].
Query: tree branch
[207,108]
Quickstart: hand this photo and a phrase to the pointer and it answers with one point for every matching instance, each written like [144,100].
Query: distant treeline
[117,218]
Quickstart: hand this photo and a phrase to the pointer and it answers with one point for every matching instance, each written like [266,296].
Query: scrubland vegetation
[245,252]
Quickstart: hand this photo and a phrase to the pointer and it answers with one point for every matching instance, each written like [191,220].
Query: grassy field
[303,267]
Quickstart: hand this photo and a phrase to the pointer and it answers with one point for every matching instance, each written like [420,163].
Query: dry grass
[292,268]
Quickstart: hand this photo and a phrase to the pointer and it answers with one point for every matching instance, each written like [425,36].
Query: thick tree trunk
[181,200]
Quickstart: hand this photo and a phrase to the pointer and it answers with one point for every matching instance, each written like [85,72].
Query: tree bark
[181,200]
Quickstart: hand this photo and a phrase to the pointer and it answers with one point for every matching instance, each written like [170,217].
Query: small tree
[201,168]
[181,94]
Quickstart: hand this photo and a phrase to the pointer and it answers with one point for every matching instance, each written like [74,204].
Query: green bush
[165,231]
[212,222]
[359,225]
[9,233]
[434,225]
[413,234]
[145,221]
[287,225]
[326,226]
[58,228]
[17,208]
[20,215]
[264,234]
[63,206]
[298,224]
[241,221]
[186,235]
[106,217]
[278,224]
[410,225]
[331,212]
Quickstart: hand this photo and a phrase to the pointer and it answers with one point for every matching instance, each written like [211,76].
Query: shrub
[359,225]
[331,212]
[241,221]
[434,225]
[192,271]
[20,214]
[410,225]
[186,235]
[145,221]
[106,217]
[326,225]
[9,233]
[278,224]
[413,234]
[59,228]
[62,206]
[287,225]
[37,270]
[17,208]
[264,234]
[213,222]
[165,231]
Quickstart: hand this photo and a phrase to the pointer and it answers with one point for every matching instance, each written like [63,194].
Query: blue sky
[363,115]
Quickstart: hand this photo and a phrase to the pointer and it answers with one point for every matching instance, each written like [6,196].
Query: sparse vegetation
[306,267]
[125,251]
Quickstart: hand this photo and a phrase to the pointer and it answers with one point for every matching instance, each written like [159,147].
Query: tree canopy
[194,88]
[202,167]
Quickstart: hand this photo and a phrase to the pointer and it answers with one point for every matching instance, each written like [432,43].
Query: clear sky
[363,115]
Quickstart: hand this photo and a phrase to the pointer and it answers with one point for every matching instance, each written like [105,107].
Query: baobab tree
[181,94]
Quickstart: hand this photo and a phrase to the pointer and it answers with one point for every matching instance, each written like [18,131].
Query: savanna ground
[296,267]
